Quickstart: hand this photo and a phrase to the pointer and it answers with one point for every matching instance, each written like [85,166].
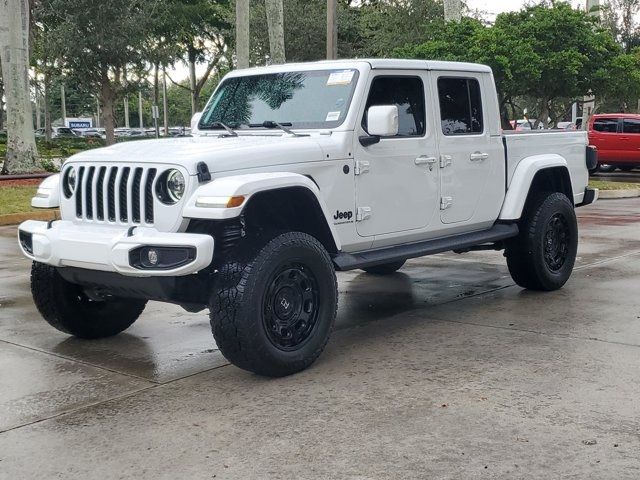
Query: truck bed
[569,145]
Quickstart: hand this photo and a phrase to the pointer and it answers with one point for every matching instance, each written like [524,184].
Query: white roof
[373,63]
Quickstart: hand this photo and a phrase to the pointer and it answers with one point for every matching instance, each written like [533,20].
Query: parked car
[617,138]
[566,126]
[353,164]
[57,132]
[525,124]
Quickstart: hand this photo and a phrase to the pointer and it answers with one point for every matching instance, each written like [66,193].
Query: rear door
[604,135]
[471,157]
[631,131]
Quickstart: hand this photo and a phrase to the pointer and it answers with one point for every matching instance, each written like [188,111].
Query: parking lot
[445,370]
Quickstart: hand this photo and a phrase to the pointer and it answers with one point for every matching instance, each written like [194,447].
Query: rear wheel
[386,268]
[66,307]
[605,168]
[542,256]
[272,313]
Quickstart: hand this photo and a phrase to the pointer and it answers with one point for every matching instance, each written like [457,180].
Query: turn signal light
[220,202]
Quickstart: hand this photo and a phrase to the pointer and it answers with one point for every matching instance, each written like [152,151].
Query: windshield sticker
[332,116]
[343,77]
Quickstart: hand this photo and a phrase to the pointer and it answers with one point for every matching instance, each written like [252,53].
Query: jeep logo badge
[343,215]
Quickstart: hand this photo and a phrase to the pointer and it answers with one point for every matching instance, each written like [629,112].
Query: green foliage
[385,25]
[48,166]
[545,52]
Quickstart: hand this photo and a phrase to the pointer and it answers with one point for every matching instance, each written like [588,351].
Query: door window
[606,125]
[460,106]
[407,93]
[631,125]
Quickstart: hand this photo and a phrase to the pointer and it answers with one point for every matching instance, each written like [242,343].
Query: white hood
[219,153]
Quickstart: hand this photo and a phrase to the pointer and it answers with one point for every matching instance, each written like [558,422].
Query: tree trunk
[156,84]
[191,54]
[1,103]
[242,33]
[14,56]
[107,98]
[165,103]
[452,10]
[332,29]
[504,115]
[47,110]
[275,23]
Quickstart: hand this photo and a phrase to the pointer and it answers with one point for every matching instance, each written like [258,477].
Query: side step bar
[350,261]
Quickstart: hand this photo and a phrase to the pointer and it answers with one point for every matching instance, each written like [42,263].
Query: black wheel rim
[290,306]
[556,242]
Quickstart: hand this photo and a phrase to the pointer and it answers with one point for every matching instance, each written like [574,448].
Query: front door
[397,178]
[471,155]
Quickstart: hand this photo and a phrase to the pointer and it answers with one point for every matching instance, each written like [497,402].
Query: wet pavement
[444,370]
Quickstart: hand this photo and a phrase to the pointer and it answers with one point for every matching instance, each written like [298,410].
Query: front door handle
[425,160]
[478,157]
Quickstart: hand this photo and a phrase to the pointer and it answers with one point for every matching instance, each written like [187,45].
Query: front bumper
[110,248]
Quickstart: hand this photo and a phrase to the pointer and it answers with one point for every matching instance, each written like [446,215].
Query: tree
[1,101]
[242,33]
[275,22]
[547,53]
[305,34]
[619,84]
[452,10]
[620,17]
[21,154]
[389,24]
[96,41]
[199,30]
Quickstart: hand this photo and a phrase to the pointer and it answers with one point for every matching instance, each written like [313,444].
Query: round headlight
[69,182]
[170,187]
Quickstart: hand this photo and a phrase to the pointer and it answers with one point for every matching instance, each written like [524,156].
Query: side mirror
[195,120]
[382,120]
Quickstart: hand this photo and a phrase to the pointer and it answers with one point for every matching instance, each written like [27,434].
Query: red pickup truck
[617,138]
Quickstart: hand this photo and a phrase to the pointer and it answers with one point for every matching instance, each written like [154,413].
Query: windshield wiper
[230,131]
[281,126]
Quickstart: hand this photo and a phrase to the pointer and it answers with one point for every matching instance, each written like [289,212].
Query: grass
[16,199]
[603,185]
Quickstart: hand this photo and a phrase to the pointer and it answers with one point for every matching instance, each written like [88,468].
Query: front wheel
[66,307]
[273,313]
[542,256]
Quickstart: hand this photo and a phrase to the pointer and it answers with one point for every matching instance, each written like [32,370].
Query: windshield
[315,99]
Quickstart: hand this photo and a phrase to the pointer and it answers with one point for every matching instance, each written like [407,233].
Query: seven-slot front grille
[115,194]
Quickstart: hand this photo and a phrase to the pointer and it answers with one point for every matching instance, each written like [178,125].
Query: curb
[16,218]
[629,193]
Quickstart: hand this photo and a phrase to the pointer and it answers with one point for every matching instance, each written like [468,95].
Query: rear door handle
[478,157]
[425,160]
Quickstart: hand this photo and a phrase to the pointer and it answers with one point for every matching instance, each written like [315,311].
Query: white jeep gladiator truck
[294,172]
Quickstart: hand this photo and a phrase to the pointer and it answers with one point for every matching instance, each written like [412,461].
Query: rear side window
[460,106]
[631,125]
[607,125]
[407,93]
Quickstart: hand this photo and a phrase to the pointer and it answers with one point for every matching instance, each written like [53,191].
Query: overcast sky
[494,7]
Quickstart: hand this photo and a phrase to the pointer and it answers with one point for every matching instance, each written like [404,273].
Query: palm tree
[452,10]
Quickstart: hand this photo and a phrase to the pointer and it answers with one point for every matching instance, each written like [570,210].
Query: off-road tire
[385,268]
[605,168]
[243,304]
[535,259]
[66,307]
